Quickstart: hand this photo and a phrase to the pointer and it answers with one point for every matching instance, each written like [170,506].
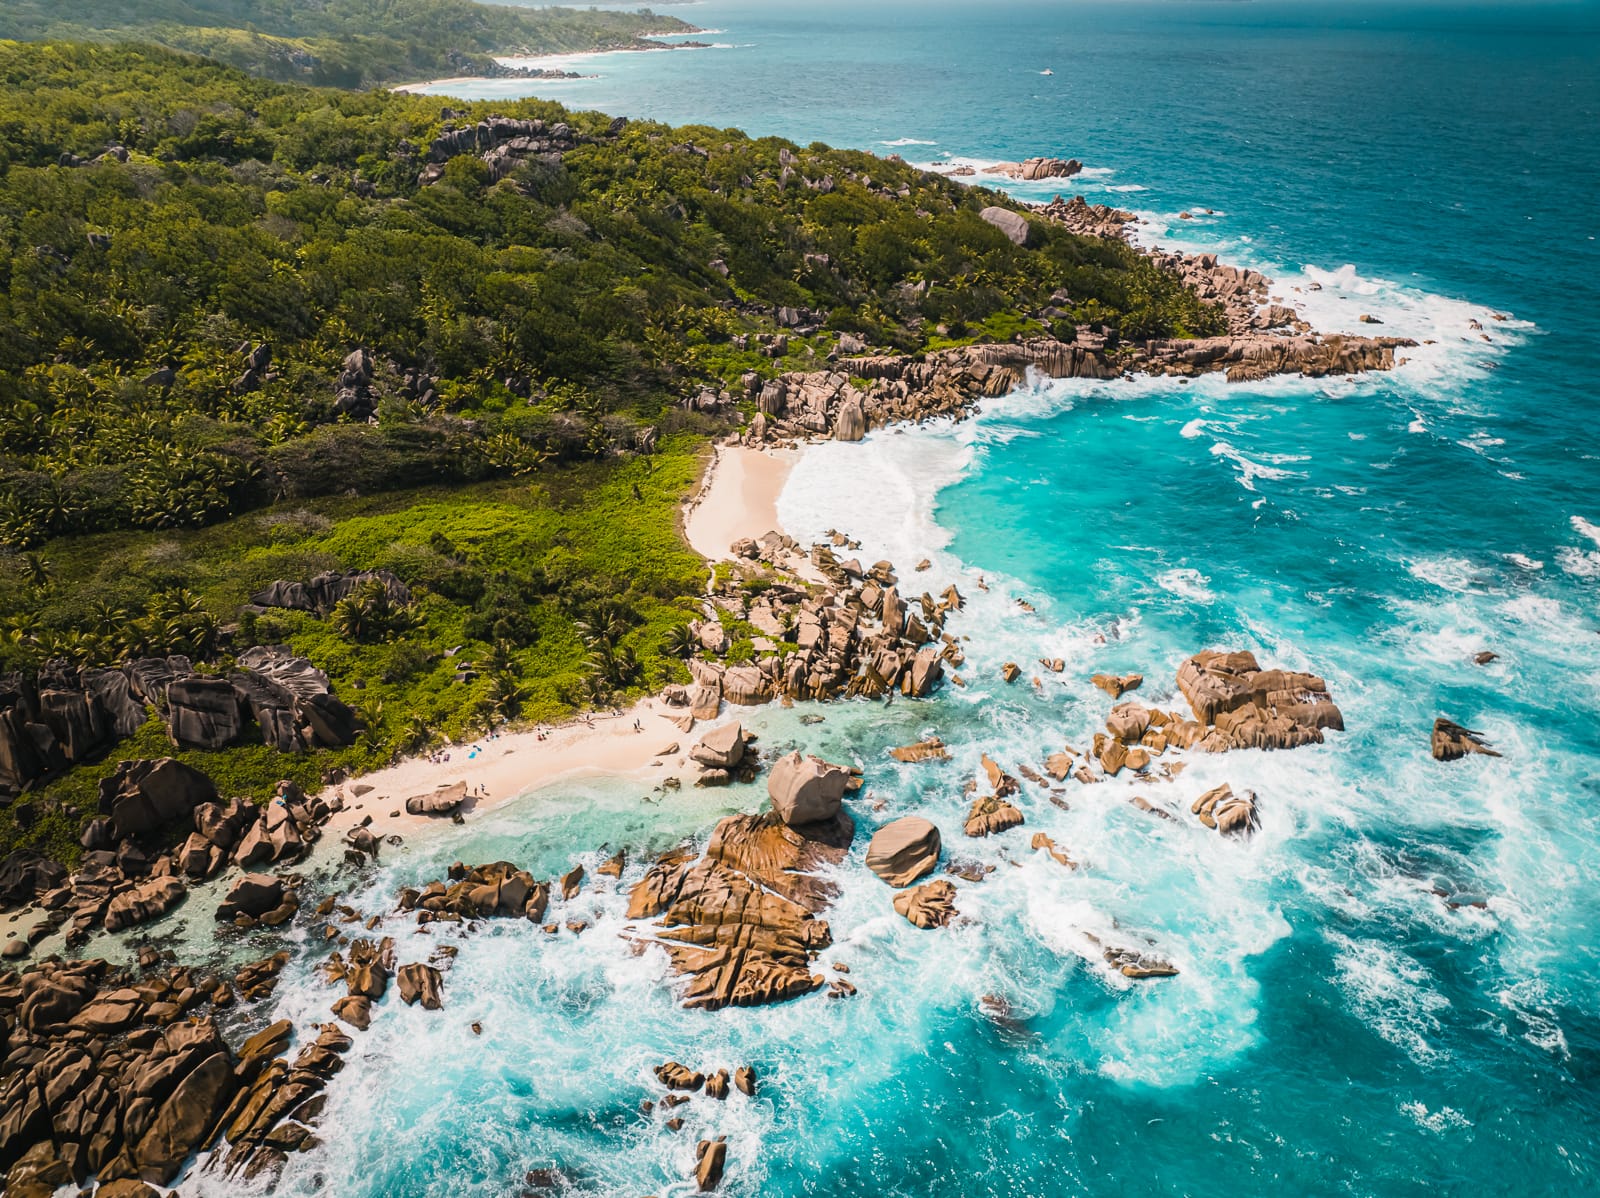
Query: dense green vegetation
[531,329]
[343,43]
[548,596]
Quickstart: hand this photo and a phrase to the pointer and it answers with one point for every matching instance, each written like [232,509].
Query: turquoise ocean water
[1336,1027]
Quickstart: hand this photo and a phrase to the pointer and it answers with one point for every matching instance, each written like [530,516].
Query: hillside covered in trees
[343,43]
[253,332]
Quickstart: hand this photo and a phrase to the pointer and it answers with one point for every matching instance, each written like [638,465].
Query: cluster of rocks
[325,590]
[875,391]
[710,1155]
[120,883]
[1079,216]
[1225,812]
[497,890]
[69,715]
[352,391]
[504,144]
[741,922]
[931,905]
[257,363]
[852,634]
[113,1076]
[1030,169]
[993,813]
[278,1101]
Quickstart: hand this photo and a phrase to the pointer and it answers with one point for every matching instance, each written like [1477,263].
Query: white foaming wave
[1523,562]
[1449,350]
[1445,1119]
[1581,563]
[1447,573]
[1125,187]
[1391,993]
[908,141]
[1187,583]
[881,491]
[1250,470]
[1195,428]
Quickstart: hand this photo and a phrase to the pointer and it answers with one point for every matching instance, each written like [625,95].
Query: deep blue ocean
[1337,1027]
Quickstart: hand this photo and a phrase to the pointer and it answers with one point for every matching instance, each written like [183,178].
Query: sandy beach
[738,497]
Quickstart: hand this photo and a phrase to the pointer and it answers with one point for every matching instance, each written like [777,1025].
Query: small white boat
[1047,71]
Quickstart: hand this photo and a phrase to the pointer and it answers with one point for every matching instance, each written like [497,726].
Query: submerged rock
[1451,741]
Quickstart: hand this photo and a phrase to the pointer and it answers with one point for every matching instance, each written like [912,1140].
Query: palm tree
[106,618]
[352,618]
[679,642]
[506,696]
[418,733]
[36,570]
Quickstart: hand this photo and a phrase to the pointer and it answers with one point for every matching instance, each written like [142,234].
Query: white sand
[737,498]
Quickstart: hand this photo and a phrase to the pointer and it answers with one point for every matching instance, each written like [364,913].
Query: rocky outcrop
[991,814]
[1230,814]
[325,590]
[503,143]
[1116,685]
[1451,741]
[724,754]
[1031,169]
[806,790]
[740,923]
[104,1077]
[1245,706]
[275,1114]
[499,890]
[931,905]
[69,715]
[854,634]
[932,749]
[710,1157]
[904,850]
[145,795]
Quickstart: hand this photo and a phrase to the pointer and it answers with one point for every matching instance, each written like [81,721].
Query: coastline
[737,497]
[550,62]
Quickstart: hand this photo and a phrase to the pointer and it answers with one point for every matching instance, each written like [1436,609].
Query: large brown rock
[446,800]
[420,983]
[931,905]
[1251,708]
[253,895]
[904,850]
[805,790]
[143,902]
[991,814]
[722,748]
[1013,224]
[204,712]
[181,1122]
[143,795]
